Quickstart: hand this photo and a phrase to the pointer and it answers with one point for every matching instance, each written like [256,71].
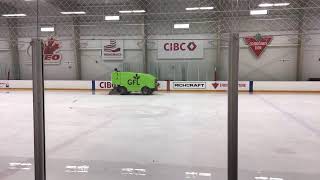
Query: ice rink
[167,136]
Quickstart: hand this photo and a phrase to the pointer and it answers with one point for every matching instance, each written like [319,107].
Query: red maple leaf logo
[51,46]
[258,43]
[215,85]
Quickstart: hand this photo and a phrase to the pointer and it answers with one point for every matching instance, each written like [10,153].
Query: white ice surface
[279,134]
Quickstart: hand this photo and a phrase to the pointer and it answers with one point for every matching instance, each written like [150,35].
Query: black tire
[146,91]
[122,90]
[118,89]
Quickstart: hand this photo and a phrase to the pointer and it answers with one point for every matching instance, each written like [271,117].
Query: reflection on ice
[267,178]
[193,175]
[77,169]
[132,171]
[20,165]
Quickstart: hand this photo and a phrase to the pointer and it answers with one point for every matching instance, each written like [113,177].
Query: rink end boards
[174,86]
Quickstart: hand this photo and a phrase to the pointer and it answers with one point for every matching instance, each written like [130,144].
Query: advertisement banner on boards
[189,85]
[180,49]
[103,85]
[223,85]
[4,84]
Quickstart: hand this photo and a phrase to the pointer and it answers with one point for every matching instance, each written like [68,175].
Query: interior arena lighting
[258,12]
[125,12]
[192,9]
[265,5]
[281,4]
[199,8]
[138,11]
[14,15]
[267,178]
[132,11]
[206,8]
[181,26]
[112,18]
[272,5]
[261,178]
[205,174]
[73,12]
[47,29]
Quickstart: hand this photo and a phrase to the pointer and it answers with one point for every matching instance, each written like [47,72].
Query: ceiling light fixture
[14,15]
[281,4]
[181,26]
[47,29]
[275,4]
[125,12]
[112,18]
[199,8]
[192,9]
[138,11]
[132,11]
[73,12]
[265,5]
[206,8]
[258,12]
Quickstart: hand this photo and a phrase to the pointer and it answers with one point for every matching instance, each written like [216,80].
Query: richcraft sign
[180,49]
[51,51]
[112,50]
[189,85]
[258,43]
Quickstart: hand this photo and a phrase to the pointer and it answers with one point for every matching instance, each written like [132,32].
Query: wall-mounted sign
[112,50]
[180,49]
[258,43]
[51,51]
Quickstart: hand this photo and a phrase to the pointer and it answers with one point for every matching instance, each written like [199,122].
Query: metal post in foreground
[38,111]
[233,107]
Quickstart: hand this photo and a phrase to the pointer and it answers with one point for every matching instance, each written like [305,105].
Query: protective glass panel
[16,114]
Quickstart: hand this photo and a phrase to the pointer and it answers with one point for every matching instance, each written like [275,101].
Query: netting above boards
[153,18]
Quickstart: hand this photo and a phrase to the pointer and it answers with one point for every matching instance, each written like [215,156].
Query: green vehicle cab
[127,82]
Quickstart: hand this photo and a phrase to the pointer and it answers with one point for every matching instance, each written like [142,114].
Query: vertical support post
[218,56]
[168,85]
[93,83]
[301,42]
[145,56]
[76,47]
[198,69]
[233,107]
[174,72]
[38,110]
[251,87]
[145,47]
[145,63]
[300,56]
[13,43]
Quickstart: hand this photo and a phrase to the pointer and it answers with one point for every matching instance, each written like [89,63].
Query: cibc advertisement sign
[180,49]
